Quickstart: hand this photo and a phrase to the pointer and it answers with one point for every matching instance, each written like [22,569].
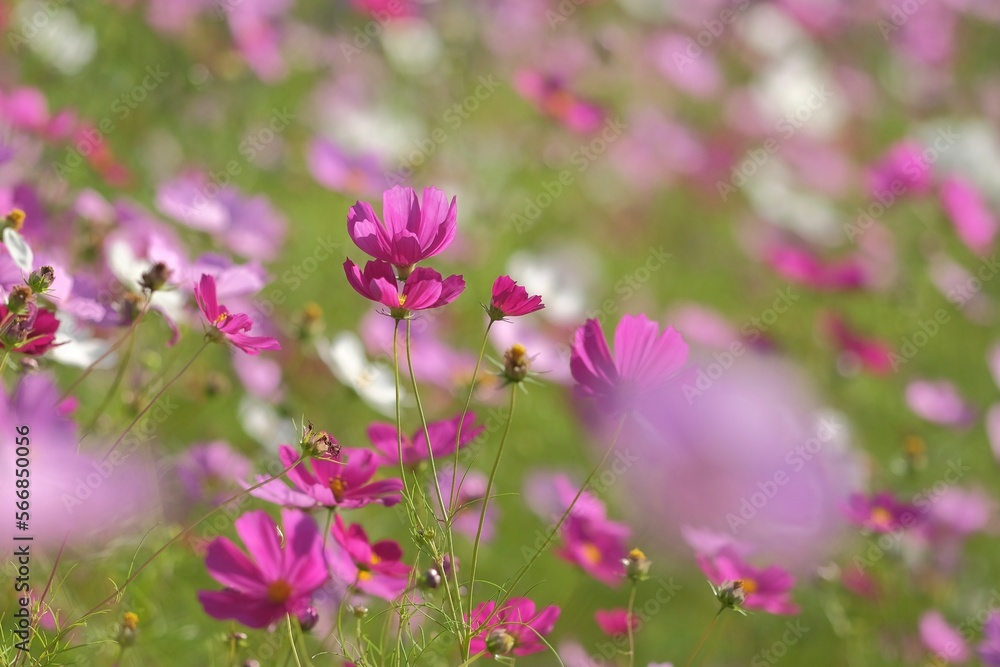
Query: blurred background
[806,189]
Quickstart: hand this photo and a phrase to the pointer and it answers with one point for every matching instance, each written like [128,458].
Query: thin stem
[3,362]
[704,636]
[291,640]
[113,389]
[488,495]
[457,603]
[562,519]
[461,422]
[628,625]
[155,398]
[115,346]
[218,508]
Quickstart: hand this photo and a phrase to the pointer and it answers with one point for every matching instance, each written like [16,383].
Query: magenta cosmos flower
[882,513]
[643,360]
[422,289]
[515,627]
[766,589]
[614,622]
[344,482]
[941,639]
[443,434]
[278,577]
[375,569]
[33,333]
[229,326]
[413,230]
[510,300]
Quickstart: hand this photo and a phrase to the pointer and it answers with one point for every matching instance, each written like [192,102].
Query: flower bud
[430,579]
[359,610]
[41,279]
[636,565]
[13,220]
[318,444]
[127,631]
[308,619]
[516,363]
[156,277]
[500,642]
[20,298]
[731,594]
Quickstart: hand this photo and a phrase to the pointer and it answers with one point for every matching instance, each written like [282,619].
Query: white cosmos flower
[345,356]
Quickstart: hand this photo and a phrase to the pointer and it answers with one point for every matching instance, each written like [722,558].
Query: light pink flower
[943,640]
[940,402]
[974,223]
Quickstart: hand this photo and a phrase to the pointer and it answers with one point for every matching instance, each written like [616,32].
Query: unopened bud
[20,297]
[127,631]
[308,619]
[731,594]
[41,279]
[156,277]
[636,565]
[516,363]
[500,642]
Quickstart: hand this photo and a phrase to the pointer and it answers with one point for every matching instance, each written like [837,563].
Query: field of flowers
[537,332]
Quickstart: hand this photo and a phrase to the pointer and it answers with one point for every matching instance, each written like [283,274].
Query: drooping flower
[644,359]
[515,627]
[344,482]
[423,288]
[229,326]
[767,589]
[375,569]
[442,434]
[510,300]
[278,576]
[882,513]
[413,230]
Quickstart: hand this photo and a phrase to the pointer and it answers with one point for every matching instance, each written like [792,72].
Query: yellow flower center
[364,573]
[636,554]
[402,300]
[338,486]
[591,554]
[279,591]
[881,516]
[16,219]
[220,319]
[130,620]
[748,585]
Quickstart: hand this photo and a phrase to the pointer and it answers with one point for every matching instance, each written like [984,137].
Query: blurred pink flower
[337,170]
[510,300]
[469,493]
[518,619]
[698,76]
[211,471]
[944,641]
[229,326]
[423,288]
[385,438]
[902,170]
[974,223]
[874,355]
[644,360]
[615,622]
[375,569]
[344,482]
[767,589]
[33,333]
[940,402]
[553,98]
[413,229]
[882,513]
[800,265]
[279,576]
[989,648]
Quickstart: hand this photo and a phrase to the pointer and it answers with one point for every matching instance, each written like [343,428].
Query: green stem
[122,367]
[461,422]
[704,636]
[628,625]
[291,640]
[488,495]
[155,398]
[3,362]
[457,602]
[562,519]
[115,346]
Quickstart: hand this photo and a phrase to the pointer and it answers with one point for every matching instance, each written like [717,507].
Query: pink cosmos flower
[211,471]
[643,361]
[518,619]
[230,326]
[337,170]
[767,589]
[975,225]
[940,402]
[882,513]
[375,569]
[32,334]
[510,299]
[470,488]
[874,356]
[413,229]
[344,482]
[422,289]
[552,96]
[941,639]
[902,169]
[803,266]
[442,433]
[989,649]
[615,622]
[279,576]
[954,515]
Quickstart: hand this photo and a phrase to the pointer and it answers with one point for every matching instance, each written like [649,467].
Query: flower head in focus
[423,288]
[511,300]
[376,569]
[515,629]
[226,325]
